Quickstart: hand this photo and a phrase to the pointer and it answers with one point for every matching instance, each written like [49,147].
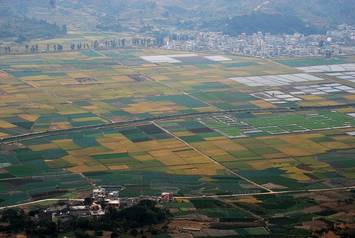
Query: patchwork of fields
[209,149]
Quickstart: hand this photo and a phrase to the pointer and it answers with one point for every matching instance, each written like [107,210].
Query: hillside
[16,25]
[255,22]
[231,16]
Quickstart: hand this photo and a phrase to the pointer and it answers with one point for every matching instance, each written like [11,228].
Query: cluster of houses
[97,205]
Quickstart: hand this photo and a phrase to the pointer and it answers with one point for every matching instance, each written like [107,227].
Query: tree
[98,233]
[134,232]
[114,235]
[41,228]
[16,218]
[87,201]
[81,234]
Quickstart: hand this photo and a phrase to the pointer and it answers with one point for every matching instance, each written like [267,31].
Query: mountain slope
[137,15]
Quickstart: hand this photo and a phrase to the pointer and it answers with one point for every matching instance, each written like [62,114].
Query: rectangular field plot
[321,89]
[66,90]
[192,150]
[160,59]
[297,93]
[275,80]
[302,122]
[328,68]
[276,97]
[284,161]
[27,189]
[236,126]
[226,99]
[349,76]
[351,133]
[218,58]
[80,89]
[137,183]
[184,58]
[313,61]
[224,124]
[145,157]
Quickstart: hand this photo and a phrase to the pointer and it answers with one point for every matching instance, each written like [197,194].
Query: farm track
[28,136]
[213,160]
[351,188]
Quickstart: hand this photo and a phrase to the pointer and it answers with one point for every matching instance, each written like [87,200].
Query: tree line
[82,45]
[38,223]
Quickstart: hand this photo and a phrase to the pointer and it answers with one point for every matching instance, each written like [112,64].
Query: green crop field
[198,153]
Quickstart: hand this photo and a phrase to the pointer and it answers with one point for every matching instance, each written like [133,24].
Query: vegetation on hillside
[233,17]
[38,223]
[14,24]
[23,29]
[274,24]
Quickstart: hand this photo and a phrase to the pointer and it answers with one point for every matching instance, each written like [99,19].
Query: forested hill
[17,26]
[271,23]
[22,29]
[230,16]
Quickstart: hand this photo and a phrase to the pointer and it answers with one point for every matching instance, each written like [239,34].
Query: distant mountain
[270,23]
[22,29]
[318,12]
[231,16]
[16,25]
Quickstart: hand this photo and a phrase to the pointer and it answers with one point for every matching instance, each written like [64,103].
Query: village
[102,199]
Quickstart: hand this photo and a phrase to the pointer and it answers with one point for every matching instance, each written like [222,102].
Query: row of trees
[40,224]
[83,45]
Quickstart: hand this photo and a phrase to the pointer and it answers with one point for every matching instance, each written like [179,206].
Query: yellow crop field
[60,125]
[296,151]
[315,164]
[262,104]
[265,164]
[335,145]
[3,135]
[146,107]
[79,153]
[6,125]
[66,144]
[29,117]
[185,153]
[42,147]
[228,145]
[274,156]
[144,157]
[118,167]
[83,119]
[249,199]
[83,165]
[326,103]
[197,159]
[350,97]
[35,78]
[222,125]
[87,169]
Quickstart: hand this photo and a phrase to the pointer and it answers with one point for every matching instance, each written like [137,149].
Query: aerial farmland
[197,125]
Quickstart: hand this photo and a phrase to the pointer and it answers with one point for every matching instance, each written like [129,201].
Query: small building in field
[166,197]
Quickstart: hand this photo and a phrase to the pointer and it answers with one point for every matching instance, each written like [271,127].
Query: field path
[242,209]
[41,201]
[40,134]
[351,188]
[211,159]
